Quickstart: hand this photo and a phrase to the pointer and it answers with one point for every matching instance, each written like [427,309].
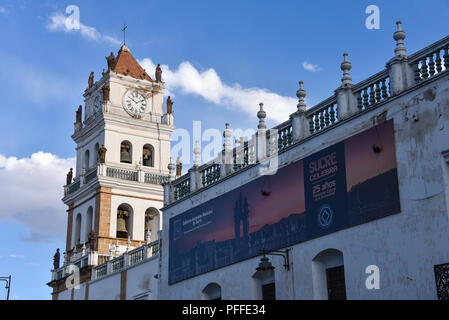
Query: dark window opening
[336,289]
[148,155]
[442,281]
[122,222]
[125,152]
[269,291]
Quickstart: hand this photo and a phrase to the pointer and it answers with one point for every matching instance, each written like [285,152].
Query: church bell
[124,155]
[121,225]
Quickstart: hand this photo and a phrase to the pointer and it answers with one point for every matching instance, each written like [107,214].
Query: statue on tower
[69,177]
[178,167]
[102,154]
[79,114]
[56,259]
[92,238]
[158,73]
[106,89]
[91,79]
[111,61]
[169,105]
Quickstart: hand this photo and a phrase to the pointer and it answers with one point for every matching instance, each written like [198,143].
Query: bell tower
[122,154]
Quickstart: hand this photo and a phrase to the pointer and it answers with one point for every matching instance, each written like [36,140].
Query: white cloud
[58,23]
[2,10]
[207,84]
[310,67]
[31,192]
[16,256]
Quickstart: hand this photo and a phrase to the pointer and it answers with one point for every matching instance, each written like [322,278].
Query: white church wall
[139,206]
[65,295]
[79,292]
[106,288]
[140,281]
[88,144]
[404,246]
[115,136]
[82,209]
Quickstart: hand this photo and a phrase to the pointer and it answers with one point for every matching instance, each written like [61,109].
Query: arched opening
[86,159]
[212,292]
[97,148]
[151,224]
[78,229]
[264,287]
[89,221]
[124,221]
[148,155]
[126,152]
[328,275]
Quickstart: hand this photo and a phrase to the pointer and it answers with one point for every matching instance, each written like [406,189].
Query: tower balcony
[94,265]
[113,172]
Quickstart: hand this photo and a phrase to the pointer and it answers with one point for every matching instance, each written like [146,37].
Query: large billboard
[346,184]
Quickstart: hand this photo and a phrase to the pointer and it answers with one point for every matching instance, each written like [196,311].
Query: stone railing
[210,173]
[88,259]
[181,187]
[140,174]
[123,174]
[91,175]
[323,115]
[373,90]
[401,73]
[156,178]
[431,60]
[126,260]
[72,187]
[285,135]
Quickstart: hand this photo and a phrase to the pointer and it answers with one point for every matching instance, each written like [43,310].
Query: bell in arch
[122,232]
[124,154]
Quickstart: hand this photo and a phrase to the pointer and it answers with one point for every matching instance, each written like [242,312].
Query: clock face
[97,104]
[135,103]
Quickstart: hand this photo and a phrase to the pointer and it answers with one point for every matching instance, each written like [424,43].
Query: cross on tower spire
[124,31]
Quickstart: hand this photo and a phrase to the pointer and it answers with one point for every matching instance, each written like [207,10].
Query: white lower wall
[404,246]
[106,288]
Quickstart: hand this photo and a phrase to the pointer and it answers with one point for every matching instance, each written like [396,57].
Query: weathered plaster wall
[404,246]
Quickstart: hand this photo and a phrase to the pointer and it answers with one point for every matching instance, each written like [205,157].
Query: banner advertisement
[346,184]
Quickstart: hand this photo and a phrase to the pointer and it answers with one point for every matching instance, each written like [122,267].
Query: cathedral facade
[346,199]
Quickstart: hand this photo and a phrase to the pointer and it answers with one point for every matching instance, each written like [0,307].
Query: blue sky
[246,47]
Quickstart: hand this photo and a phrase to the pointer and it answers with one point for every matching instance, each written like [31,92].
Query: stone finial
[128,243]
[148,236]
[301,94]
[399,36]
[171,169]
[227,134]
[197,154]
[83,252]
[261,114]
[111,249]
[346,66]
